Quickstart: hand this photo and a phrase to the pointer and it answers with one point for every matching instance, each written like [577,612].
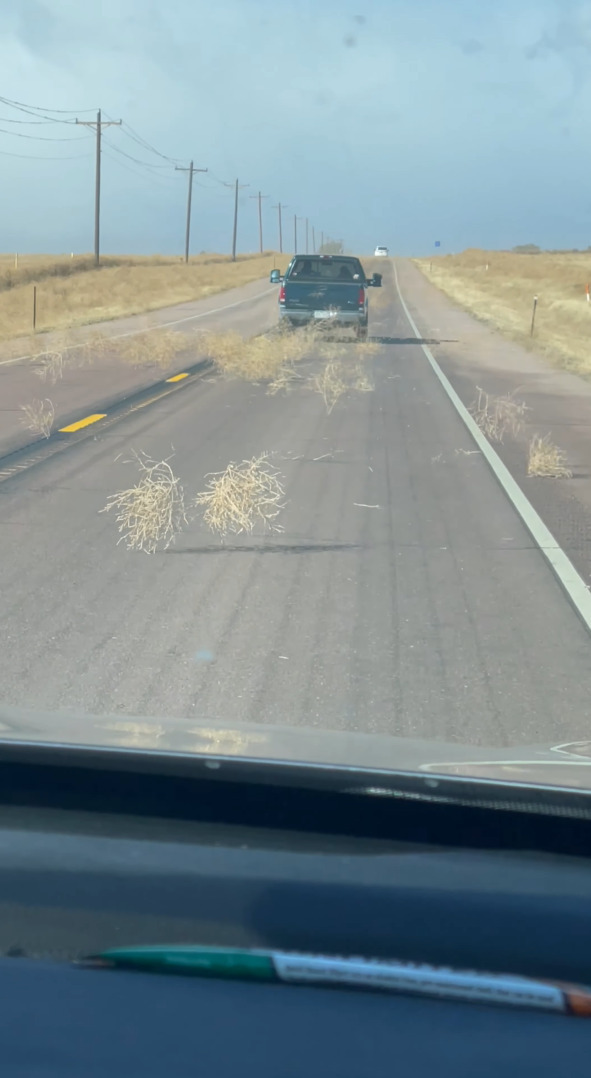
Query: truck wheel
[362,332]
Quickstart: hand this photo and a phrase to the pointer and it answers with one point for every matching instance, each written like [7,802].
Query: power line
[38,157]
[38,110]
[136,160]
[222,183]
[31,123]
[211,187]
[159,180]
[43,138]
[43,116]
[42,108]
[132,134]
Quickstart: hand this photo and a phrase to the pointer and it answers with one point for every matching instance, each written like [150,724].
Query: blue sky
[383,121]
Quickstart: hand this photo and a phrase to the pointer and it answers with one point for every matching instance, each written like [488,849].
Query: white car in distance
[381,252]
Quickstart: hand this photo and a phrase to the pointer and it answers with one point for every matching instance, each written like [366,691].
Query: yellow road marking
[82,423]
[177,378]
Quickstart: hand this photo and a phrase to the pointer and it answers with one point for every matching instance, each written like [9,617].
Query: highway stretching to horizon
[404,595]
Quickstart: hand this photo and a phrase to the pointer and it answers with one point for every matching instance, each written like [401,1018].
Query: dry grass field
[499,288]
[73,292]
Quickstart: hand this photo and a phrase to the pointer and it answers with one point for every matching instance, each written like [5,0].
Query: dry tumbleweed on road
[241,496]
[151,512]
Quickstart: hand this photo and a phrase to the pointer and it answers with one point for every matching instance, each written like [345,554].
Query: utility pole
[313,240]
[307,246]
[260,198]
[321,240]
[280,207]
[99,124]
[295,232]
[237,187]
[191,170]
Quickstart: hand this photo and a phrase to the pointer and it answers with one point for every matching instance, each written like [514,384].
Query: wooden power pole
[191,170]
[260,198]
[99,123]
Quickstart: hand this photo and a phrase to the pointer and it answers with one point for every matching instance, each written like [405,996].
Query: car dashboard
[106,856]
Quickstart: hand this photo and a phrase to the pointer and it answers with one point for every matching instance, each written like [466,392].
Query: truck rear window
[337,269]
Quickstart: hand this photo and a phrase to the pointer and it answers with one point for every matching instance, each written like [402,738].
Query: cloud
[35,25]
[471,46]
[569,36]
[566,41]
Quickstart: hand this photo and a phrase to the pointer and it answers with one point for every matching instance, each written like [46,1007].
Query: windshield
[337,525]
[335,269]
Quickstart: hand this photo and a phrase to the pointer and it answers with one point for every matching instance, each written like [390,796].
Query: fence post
[533,316]
[34,306]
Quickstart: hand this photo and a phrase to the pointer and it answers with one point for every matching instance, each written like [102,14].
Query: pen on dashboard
[349,972]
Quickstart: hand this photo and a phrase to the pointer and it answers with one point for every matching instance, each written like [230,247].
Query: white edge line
[148,329]
[561,564]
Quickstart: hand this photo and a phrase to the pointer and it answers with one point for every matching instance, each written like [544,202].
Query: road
[97,385]
[404,595]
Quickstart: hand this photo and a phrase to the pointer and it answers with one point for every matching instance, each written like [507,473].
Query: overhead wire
[37,157]
[136,160]
[135,172]
[31,123]
[43,138]
[44,116]
[132,134]
[38,110]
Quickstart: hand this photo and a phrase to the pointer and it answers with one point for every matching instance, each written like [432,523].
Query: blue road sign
[438,243]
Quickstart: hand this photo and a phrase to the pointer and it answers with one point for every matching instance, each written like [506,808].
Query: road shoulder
[559,404]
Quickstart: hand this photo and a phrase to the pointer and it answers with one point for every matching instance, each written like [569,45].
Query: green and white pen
[325,970]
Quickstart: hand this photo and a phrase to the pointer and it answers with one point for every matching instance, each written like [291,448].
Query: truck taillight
[361,299]
[282,294]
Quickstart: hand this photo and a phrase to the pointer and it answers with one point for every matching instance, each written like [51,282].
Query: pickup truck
[325,289]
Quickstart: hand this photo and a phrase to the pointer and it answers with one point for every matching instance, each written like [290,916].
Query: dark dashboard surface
[121,1024]
[74,882]
[89,860]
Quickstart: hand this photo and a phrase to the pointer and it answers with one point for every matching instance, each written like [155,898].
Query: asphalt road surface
[404,595]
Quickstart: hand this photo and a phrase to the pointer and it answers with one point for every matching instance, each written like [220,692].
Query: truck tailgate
[322,295]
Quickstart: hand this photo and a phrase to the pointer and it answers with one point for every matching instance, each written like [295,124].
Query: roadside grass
[499,288]
[74,292]
[546,460]
[498,416]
